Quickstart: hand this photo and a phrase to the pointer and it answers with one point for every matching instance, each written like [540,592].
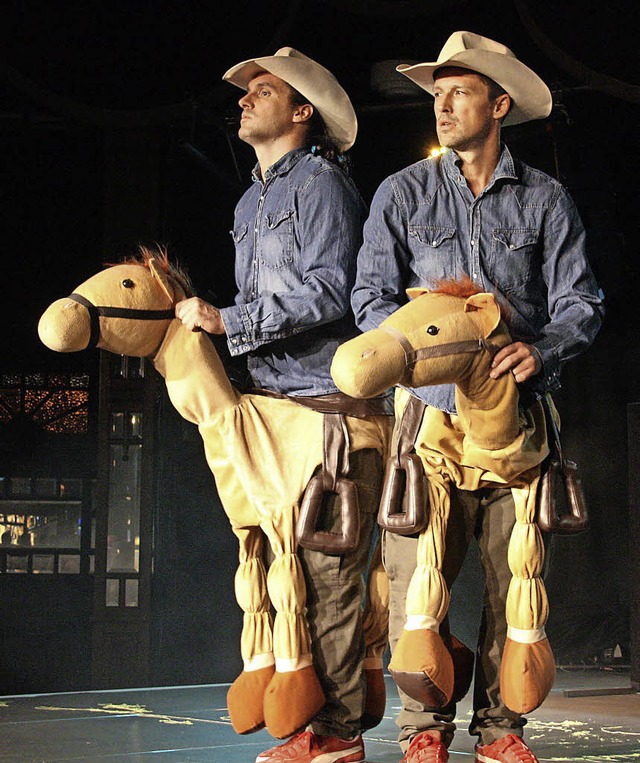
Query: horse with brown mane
[449,336]
[128,309]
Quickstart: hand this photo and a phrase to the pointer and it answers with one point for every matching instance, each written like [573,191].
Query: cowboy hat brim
[530,96]
[310,79]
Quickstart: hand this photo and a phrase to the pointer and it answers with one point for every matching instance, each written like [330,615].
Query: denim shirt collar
[505,169]
[282,166]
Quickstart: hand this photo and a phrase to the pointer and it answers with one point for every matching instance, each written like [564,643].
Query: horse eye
[433,330]
[128,283]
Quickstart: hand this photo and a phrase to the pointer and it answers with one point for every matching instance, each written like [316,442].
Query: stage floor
[590,716]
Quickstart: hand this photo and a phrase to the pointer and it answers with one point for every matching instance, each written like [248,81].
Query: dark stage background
[116,130]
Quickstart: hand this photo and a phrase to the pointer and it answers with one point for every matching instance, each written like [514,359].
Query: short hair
[495,90]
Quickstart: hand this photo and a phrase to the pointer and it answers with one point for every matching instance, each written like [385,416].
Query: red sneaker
[426,747]
[509,749]
[307,746]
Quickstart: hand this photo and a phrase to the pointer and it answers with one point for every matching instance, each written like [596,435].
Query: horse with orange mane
[129,309]
[449,336]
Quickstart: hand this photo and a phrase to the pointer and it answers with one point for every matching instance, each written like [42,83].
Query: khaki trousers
[335,592]
[489,516]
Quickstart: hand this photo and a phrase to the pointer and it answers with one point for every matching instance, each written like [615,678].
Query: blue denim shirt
[520,238]
[296,235]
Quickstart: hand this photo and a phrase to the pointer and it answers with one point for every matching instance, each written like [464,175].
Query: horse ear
[162,278]
[416,291]
[488,312]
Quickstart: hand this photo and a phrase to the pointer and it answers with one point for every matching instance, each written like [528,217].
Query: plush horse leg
[421,664]
[376,634]
[245,698]
[528,669]
[294,694]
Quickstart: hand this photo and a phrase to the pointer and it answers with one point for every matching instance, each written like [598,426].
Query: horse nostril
[128,283]
[433,330]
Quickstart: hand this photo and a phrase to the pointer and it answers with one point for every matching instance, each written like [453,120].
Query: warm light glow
[437,151]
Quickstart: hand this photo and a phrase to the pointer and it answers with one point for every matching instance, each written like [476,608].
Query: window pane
[43,563]
[69,564]
[40,523]
[131,593]
[125,469]
[113,593]
[16,562]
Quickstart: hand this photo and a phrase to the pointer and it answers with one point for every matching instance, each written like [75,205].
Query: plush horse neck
[128,309]
[487,408]
[450,337]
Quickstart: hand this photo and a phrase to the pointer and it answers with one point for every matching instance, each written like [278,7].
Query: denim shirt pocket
[239,233]
[433,249]
[513,256]
[277,239]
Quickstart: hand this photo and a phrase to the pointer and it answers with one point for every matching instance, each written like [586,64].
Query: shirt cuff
[236,323]
[550,365]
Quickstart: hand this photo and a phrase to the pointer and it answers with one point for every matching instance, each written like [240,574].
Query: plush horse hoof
[291,701]
[375,699]
[423,668]
[463,659]
[526,674]
[245,700]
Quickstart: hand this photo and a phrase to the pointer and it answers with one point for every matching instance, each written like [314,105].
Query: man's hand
[523,360]
[197,314]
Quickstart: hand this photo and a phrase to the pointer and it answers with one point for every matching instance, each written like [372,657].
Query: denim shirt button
[234,341]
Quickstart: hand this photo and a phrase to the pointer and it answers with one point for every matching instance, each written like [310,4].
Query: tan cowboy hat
[531,98]
[312,80]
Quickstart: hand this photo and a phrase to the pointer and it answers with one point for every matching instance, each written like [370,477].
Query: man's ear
[303,113]
[501,106]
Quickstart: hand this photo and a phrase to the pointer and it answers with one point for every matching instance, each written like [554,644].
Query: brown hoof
[291,701]
[423,668]
[245,700]
[526,674]
[376,699]
[463,659]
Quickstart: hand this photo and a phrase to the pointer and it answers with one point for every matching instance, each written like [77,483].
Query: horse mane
[457,287]
[464,287]
[159,253]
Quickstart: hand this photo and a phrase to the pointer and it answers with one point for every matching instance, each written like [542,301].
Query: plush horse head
[138,298]
[449,327]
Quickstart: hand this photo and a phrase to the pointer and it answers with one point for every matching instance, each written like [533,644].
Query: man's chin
[245,135]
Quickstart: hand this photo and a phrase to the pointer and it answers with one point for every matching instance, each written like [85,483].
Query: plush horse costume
[450,336]
[129,309]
